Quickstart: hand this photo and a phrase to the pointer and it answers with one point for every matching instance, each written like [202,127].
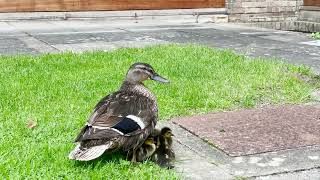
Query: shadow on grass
[115,158]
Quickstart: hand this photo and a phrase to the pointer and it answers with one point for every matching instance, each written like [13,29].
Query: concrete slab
[192,164]
[312,43]
[194,167]
[254,131]
[66,38]
[85,46]
[106,46]
[38,45]
[252,166]
[32,27]
[78,42]
[13,46]
[6,29]
[96,37]
[312,174]
[85,26]
[272,163]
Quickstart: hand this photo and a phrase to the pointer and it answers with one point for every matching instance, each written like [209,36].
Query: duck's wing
[118,114]
[120,120]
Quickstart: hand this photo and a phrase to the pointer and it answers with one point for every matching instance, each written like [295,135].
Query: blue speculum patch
[127,125]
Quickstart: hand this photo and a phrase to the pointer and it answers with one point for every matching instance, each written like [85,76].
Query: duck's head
[140,72]
[166,132]
[149,141]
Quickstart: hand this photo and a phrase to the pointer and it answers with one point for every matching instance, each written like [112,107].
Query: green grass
[315,35]
[59,91]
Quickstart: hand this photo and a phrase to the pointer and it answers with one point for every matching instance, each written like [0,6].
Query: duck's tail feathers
[87,154]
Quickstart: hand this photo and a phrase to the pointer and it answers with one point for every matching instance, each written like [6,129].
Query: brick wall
[262,10]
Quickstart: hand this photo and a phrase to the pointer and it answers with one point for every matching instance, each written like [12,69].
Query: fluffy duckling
[146,150]
[156,136]
[164,155]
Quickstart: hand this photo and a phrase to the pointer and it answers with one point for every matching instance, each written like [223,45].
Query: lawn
[59,91]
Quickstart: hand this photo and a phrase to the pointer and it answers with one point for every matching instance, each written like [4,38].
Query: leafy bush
[315,35]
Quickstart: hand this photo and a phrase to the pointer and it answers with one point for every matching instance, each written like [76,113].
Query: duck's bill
[156,77]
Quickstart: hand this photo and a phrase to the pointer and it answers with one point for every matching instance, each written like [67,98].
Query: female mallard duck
[121,120]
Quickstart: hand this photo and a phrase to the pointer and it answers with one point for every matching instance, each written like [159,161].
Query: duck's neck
[137,87]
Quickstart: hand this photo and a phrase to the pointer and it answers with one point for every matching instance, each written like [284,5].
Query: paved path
[196,159]
[283,158]
[35,37]
[199,160]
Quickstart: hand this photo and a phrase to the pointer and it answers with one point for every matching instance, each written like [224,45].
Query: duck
[164,154]
[146,150]
[122,120]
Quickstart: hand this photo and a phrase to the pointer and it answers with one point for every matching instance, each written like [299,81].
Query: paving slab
[66,38]
[6,29]
[195,167]
[268,164]
[312,174]
[13,46]
[37,26]
[106,46]
[190,163]
[38,45]
[254,131]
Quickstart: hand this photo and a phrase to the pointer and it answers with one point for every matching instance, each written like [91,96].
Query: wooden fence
[96,5]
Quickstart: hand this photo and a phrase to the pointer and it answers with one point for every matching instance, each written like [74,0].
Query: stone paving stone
[253,131]
[80,47]
[11,45]
[191,163]
[91,38]
[264,164]
[312,174]
[162,27]
[313,43]
[66,38]
[107,46]
[197,167]
[120,36]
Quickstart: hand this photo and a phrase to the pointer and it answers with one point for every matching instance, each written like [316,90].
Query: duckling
[122,120]
[156,136]
[164,155]
[146,150]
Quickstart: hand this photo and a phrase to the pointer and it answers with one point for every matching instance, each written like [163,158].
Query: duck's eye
[146,69]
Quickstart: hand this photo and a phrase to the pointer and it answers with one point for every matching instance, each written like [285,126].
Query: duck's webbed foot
[134,156]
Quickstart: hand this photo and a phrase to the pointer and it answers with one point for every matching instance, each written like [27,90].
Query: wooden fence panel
[96,5]
[311,3]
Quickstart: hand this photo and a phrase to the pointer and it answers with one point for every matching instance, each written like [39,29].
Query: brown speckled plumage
[121,120]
